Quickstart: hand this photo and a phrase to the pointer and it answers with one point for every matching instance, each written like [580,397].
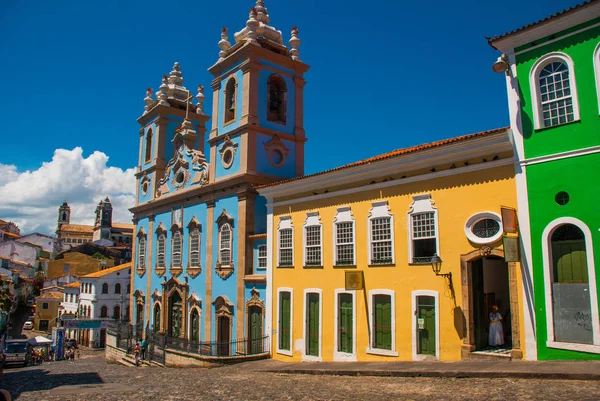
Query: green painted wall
[578,134]
[578,176]
[544,181]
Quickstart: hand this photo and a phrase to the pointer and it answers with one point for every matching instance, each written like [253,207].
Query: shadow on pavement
[17,382]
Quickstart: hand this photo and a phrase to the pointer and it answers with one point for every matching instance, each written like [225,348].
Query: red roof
[534,24]
[395,153]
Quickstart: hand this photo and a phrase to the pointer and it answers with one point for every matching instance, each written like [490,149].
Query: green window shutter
[382,333]
[312,340]
[284,320]
[345,323]
[570,261]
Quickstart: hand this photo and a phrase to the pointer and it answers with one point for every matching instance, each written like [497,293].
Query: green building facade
[552,70]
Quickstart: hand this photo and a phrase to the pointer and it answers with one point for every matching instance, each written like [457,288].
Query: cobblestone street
[90,378]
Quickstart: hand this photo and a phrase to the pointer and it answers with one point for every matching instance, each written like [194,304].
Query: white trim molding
[422,204]
[380,209]
[597,72]
[370,348]
[535,86]
[279,350]
[559,156]
[269,287]
[343,215]
[337,355]
[476,218]
[285,222]
[312,358]
[548,268]
[312,220]
[415,339]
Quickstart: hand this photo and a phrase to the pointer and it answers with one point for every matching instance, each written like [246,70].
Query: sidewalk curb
[441,374]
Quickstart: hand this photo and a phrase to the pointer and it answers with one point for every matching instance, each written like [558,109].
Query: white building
[103,294]
[70,304]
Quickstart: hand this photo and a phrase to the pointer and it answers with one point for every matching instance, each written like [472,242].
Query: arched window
[571,303]
[148,146]
[142,253]
[104,311]
[225,245]
[230,101]
[64,216]
[176,243]
[175,315]
[194,247]
[117,288]
[554,92]
[156,318]
[160,250]
[105,288]
[117,312]
[194,325]
[276,99]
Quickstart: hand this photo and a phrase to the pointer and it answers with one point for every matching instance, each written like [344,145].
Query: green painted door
[426,325]
[345,323]
[312,324]
[570,261]
[284,320]
[382,322]
[255,328]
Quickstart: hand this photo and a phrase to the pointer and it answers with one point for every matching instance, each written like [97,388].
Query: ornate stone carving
[485,250]
[228,146]
[223,306]
[156,296]
[200,100]
[294,44]
[139,297]
[223,44]
[255,300]
[148,100]
[194,301]
[276,150]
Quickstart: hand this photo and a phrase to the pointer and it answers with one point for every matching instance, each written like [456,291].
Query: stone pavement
[562,370]
[90,378]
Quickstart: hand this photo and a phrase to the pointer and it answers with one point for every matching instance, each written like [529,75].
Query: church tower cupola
[64,215]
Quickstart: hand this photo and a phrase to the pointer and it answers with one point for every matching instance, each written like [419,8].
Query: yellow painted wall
[456,197]
[80,265]
[46,314]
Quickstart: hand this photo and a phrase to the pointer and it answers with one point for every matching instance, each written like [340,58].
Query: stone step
[489,356]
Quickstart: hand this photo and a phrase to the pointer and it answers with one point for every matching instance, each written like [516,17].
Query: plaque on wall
[511,249]
[354,280]
[509,219]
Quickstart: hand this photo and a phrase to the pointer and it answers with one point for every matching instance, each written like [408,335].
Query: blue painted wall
[260,215]
[144,198]
[221,171]
[256,270]
[247,295]
[226,287]
[151,126]
[239,99]
[139,283]
[263,165]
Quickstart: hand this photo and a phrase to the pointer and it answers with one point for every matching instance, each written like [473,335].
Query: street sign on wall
[85,324]
[354,280]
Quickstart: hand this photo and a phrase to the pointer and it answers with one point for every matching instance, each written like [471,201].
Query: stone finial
[148,100]
[252,25]
[200,100]
[164,87]
[224,44]
[294,44]
[175,76]
[262,15]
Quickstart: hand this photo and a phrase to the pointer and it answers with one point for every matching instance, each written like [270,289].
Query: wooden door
[224,335]
[426,325]
[255,330]
[312,324]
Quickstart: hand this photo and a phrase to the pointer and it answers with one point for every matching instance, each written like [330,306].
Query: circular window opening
[276,157]
[227,158]
[179,177]
[486,228]
[562,198]
[145,188]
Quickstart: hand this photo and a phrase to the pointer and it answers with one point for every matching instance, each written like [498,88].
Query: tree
[38,284]
[6,297]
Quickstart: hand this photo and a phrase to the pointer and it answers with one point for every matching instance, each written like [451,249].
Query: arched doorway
[156,318]
[255,330]
[194,325]
[175,314]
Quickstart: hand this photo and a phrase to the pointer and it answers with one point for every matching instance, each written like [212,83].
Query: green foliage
[98,255]
[5,296]
[38,284]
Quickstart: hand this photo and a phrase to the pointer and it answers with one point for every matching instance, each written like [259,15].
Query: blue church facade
[200,226]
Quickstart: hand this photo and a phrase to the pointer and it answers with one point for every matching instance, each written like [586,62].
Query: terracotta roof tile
[102,273]
[11,234]
[17,262]
[76,284]
[82,228]
[394,153]
[123,226]
[50,295]
[534,24]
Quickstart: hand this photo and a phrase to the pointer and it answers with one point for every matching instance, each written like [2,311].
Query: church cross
[187,104]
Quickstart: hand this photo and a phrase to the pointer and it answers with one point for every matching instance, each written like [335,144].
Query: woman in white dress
[496,332]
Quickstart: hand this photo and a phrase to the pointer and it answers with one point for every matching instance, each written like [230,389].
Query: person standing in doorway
[143,350]
[496,332]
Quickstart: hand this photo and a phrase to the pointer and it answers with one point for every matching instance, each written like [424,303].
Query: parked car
[17,352]
[28,325]
[71,343]
[30,301]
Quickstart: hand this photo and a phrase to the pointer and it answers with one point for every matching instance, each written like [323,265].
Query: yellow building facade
[387,220]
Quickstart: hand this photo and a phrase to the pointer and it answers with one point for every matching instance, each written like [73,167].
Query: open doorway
[489,288]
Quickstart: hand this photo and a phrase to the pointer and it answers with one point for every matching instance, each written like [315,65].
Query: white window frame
[161,236]
[380,209]
[141,259]
[193,231]
[285,222]
[415,339]
[535,87]
[548,269]
[422,204]
[344,356]
[312,220]
[259,258]
[221,247]
[597,73]
[311,358]
[177,236]
[291,350]
[344,215]
[476,218]
[189,322]
[379,351]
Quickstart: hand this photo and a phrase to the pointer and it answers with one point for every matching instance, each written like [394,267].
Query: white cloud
[31,198]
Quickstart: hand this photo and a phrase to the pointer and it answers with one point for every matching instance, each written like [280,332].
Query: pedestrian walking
[72,355]
[78,354]
[136,354]
[143,350]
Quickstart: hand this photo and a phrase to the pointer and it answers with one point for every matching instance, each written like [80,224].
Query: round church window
[180,177]
[276,157]
[562,198]
[484,228]
[227,158]
[145,188]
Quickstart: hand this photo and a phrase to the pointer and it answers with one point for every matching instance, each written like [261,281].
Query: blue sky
[384,74]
